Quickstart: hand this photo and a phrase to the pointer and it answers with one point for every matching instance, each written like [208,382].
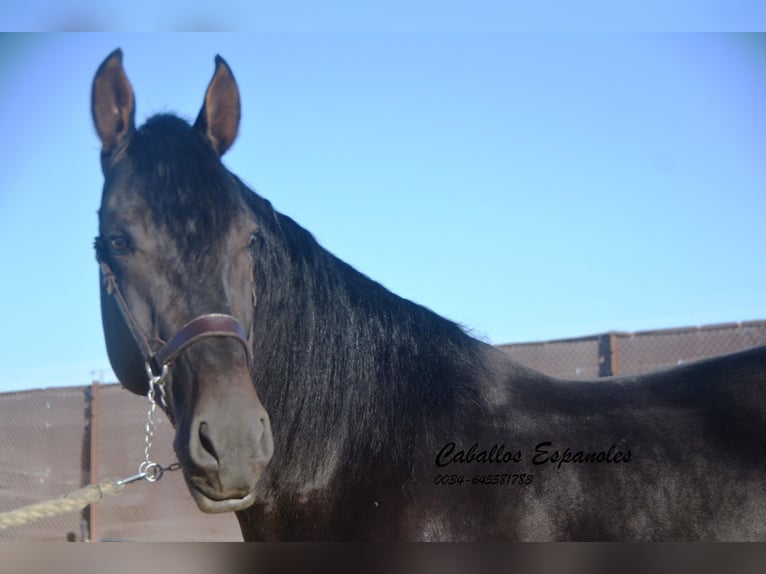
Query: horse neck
[332,346]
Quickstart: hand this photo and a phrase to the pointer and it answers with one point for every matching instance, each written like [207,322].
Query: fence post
[614,347]
[607,355]
[91,511]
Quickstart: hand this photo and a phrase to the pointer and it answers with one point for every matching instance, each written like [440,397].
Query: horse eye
[119,243]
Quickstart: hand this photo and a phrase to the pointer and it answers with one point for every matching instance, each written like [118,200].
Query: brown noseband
[158,354]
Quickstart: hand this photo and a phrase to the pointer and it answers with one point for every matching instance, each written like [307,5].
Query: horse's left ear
[218,119]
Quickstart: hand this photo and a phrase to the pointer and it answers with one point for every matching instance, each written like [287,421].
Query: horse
[317,405]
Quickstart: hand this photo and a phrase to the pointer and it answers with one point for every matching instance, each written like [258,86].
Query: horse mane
[344,357]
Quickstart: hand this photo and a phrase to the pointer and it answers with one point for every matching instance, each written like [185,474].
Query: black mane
[347,357]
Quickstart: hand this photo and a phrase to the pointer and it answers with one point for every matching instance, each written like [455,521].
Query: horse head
[176,246]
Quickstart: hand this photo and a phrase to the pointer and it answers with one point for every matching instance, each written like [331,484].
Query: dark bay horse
[389,422]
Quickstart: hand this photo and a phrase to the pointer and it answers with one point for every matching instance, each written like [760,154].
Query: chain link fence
[54,441]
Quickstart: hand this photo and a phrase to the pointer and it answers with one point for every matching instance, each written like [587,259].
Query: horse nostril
[205,441]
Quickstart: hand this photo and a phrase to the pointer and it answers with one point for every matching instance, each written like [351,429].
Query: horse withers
[390,422]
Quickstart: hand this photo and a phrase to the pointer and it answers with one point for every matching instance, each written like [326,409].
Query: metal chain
[149,436]
[149,470]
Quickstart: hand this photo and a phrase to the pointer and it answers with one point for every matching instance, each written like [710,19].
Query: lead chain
[151,470]
[148,470]
[149,436]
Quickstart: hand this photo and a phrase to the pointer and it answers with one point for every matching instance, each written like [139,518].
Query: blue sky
[375,16]
[528,186]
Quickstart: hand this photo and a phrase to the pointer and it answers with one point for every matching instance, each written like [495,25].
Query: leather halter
[158,354]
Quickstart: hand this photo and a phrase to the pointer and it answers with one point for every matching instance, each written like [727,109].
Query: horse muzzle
[225,450]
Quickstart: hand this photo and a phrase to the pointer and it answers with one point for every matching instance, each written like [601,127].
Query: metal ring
[153,472]
[156,379]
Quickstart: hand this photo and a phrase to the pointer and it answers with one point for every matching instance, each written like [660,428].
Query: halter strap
[210,325]
[202,327]
[113,289]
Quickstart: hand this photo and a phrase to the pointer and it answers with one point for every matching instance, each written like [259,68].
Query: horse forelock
[189,193]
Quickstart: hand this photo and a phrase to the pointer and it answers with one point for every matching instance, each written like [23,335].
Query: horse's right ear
[112,103]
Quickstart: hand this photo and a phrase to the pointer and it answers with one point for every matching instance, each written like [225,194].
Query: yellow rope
[73,501]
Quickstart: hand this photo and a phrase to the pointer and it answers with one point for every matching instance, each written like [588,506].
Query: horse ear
[112,103]
[218,119]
